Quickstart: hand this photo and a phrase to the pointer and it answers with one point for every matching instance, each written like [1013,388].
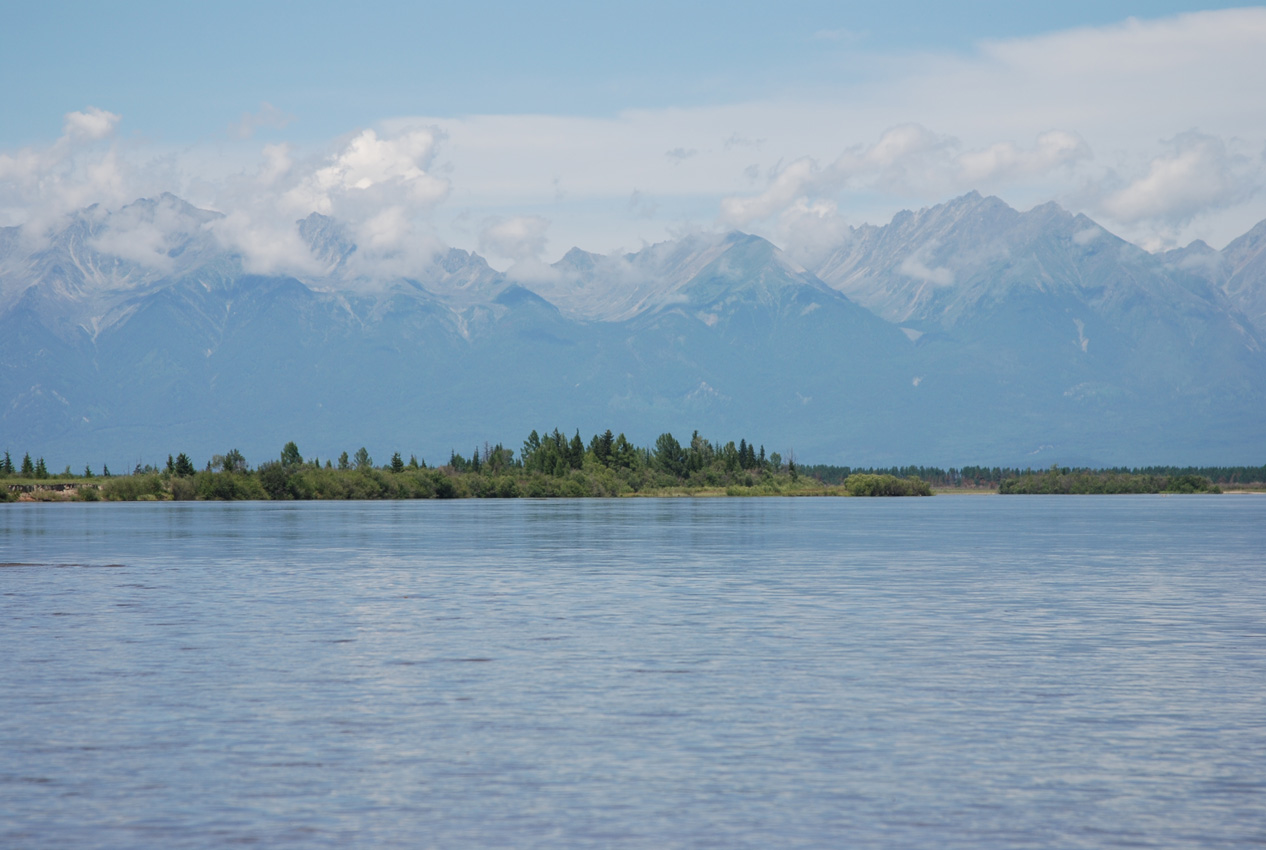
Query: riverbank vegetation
[549,465]
[554,465]
[986,478]
[1068,481]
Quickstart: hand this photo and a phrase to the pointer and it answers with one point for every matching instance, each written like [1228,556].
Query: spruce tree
[183,466]
[290,455]
[28,468]
[41,471]
[7,466]
[397,464]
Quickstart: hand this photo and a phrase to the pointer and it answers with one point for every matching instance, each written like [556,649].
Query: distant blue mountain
[968,333]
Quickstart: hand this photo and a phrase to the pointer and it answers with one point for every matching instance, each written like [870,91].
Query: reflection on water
[960,672]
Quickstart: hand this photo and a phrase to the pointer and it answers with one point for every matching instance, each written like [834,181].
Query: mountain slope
[966,333]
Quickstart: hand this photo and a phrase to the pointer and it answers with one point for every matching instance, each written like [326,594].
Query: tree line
[984,477]
[1064,481]
[547,464]
[550,463]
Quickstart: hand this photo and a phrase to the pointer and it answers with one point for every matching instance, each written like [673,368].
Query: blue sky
[520,131]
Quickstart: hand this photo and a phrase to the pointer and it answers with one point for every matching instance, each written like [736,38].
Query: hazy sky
[521,130]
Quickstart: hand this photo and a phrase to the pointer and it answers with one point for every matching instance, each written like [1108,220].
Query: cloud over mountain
[1154,126]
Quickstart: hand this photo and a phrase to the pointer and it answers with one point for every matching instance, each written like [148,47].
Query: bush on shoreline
[548,466]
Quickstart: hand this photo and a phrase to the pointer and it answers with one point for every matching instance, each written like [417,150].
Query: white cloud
[266,246]
[1004,160]
[810,230]
[1087,235]
[386,231]
[370,167]
[146,233]
[519,238]
[1073,116]
[379,184]
[914,267]
[907,160]
[1195,175]
[92,123]
[277,163]
[41,184]
[784,190]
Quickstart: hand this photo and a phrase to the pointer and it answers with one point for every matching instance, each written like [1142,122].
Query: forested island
[554,465]
[549,465]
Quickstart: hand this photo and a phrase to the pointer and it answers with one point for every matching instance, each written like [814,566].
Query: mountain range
[966,333]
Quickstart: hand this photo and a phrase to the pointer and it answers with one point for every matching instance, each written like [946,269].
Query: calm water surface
[954,672]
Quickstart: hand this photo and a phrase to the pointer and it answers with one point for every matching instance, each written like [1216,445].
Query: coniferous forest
[555,465]
[546,465]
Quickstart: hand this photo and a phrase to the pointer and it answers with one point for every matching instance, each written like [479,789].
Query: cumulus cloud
[148,232]
[907,159]
[381,185]
[92,123]
[266,245]
[370,167]
[788,185]
[1195,175]
[41,184]
[276,164]
[809,230]
[1072,116]
[519,238]
[1006,160]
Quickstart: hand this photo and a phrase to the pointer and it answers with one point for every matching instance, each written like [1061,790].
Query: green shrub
[130,488]
[866,484]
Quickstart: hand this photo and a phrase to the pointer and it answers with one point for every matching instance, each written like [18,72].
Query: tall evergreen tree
[601,446]
[669,455]
[7,465]
[397,463]
[183,466]
[28,468]
[290,455]
[41,471]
